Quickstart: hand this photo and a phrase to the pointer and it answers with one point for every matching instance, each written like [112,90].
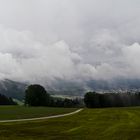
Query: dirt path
[42,118]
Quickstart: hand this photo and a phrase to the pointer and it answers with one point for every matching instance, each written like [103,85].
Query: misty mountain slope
[17,89]
[115,85]
[12,89]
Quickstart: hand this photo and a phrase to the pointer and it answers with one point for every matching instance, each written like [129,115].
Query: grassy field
[89,124]
[21,112]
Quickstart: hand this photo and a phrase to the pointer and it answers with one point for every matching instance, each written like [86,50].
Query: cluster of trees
[97,100]
[65,102]
[36,95]
[6,101]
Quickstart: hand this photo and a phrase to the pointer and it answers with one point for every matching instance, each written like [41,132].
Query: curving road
[42,118]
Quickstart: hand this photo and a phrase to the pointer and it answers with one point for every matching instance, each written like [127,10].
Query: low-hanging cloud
[25,59]
[69,40]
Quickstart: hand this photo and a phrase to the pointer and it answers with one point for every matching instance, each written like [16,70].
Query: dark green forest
[98,100]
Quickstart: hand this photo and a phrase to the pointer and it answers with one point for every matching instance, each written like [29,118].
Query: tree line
[98,100]
[36,95]
[6,101]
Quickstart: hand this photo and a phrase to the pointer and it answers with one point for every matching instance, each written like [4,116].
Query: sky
[42,41]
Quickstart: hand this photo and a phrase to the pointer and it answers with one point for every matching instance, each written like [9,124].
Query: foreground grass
[89,124]
[21,112]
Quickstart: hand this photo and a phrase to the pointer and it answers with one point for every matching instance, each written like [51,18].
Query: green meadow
[89,124]
[21,112]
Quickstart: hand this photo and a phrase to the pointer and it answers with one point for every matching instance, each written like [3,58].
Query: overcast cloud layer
[72,40]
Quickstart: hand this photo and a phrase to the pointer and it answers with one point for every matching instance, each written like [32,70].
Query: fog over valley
[82,45]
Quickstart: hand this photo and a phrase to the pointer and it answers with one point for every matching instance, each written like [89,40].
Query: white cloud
[26,59]
[70,40]
[131,59]
[23,58]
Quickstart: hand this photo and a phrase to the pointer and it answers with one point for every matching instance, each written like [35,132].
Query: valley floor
[89,124]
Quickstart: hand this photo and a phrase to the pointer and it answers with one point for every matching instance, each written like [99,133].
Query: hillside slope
[12,89]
